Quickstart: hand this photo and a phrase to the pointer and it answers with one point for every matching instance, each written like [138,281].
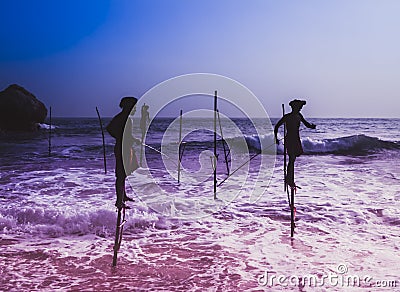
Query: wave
[52,223]
[349,145]
[46,126]
[255,142]
[69,151]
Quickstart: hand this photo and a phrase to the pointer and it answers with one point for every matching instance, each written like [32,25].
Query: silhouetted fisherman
[144,119]
[126,162]
[293,143]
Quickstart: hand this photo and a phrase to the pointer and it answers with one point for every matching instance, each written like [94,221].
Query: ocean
[58,219]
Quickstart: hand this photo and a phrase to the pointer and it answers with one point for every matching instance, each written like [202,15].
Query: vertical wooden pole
[104,144]
[141,151]
[215,144]
[118,233]
[284,151]
[179,147]
[292,212]
[50,134]
[142,118]
[117,236]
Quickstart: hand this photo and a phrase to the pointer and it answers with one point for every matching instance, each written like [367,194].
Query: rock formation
[20,110]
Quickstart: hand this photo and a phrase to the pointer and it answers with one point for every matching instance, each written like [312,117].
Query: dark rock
[20,110]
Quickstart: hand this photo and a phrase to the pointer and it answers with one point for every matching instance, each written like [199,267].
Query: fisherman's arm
[307,124]
[278,124]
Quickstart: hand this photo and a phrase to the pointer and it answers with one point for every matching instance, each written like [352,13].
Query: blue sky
[342,56]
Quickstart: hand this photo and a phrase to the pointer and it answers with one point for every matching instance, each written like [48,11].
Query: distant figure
[293,143]
[144,120]
[123,150]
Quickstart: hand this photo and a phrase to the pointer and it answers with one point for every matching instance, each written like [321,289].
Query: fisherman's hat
[297,103]
[128,102]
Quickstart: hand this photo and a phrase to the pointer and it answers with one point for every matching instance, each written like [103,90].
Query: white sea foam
[46,126]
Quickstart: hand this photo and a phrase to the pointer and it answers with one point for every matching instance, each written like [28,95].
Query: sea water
[58,219]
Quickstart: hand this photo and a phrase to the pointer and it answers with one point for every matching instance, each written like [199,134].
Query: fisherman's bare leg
[290,171]
[120,190]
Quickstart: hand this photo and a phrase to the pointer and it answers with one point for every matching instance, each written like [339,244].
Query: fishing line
[158,151]
[250,159]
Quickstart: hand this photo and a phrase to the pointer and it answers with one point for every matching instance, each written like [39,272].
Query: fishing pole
[104,145]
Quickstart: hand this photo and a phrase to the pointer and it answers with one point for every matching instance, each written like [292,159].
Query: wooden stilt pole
[118,234]
[141,151]
[215,144]
[104,144]
[284,152]
[179,147]
[144,119]
[292,212]
[50,134]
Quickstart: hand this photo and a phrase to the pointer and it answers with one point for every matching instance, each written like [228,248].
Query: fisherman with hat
[293,143]
[126,162]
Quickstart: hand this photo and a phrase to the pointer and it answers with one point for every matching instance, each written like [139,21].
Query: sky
[342,56]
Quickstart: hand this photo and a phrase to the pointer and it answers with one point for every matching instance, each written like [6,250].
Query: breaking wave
[52,223]
[349,145]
